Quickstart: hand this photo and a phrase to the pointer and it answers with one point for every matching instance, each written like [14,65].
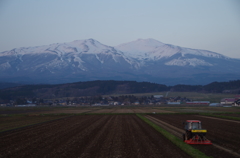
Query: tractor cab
[192,124]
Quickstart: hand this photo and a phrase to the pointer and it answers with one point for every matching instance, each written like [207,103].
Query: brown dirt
[99,136]
[104,110]
[21,111]
[204,109]
[11,122]
[232,115]
[107,109]
[222,133]
[130,110]
[221,119]
[151,110]
[123,110]
[223,109]
[71,110]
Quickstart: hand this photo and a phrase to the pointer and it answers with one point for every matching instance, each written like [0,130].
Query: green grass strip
[175,140]
[222,116]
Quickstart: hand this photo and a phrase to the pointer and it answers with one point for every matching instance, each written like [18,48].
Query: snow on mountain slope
[79,46]
[204,53]
[148,50]
[79,55]
[164,51]
[139,48]
[192,62]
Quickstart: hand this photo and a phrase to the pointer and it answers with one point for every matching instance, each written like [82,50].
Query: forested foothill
[98,88]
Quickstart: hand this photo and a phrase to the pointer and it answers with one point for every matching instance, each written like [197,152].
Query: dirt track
[88,136]
[222,133]
[232,115]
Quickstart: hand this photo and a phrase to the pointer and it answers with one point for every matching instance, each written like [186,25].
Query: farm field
[223,133]
[203,109]
[70,110]
[23,110]
[109,132]
[117,109]
[11,122]
[88,136]
[83,110]
[135,109]
[131,110]
[230,114]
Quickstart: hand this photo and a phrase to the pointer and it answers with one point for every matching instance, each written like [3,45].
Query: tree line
[99,87]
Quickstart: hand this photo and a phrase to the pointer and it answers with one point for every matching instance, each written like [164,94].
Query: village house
[227,101]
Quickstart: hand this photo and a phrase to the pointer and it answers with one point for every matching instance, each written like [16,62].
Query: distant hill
[4,85]
[93,88]
[77,89]
[214,87]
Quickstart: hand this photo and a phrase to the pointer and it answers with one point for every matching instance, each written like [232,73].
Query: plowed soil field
[131,110]
[223,133]
[88,136]
[12,122]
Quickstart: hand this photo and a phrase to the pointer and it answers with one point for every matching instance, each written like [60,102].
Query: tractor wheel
[184,137]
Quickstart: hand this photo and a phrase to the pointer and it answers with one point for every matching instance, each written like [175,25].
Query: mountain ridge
[140,60]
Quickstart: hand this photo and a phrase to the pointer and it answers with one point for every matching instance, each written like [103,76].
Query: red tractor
[194,133]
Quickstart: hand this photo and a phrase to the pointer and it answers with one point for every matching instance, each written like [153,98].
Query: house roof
[228,99]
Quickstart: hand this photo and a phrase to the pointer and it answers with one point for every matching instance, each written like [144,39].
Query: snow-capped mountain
[76,53]
[141,60]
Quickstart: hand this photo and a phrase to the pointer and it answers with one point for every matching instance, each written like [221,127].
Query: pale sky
[201,24]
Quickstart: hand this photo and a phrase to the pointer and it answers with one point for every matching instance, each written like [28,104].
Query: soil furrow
[102,136]
[40,138]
